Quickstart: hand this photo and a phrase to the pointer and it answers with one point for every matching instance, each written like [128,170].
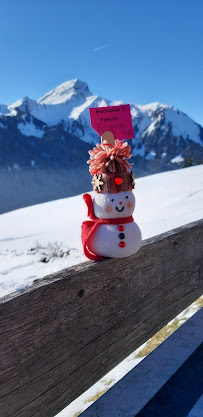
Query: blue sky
[135,51]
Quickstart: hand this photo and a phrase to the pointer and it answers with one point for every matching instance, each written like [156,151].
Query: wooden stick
[108,137]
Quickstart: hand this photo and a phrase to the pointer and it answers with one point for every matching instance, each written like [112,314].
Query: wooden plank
[59,336]
[137,390]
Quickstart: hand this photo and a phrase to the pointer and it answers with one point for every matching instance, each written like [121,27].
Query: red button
[121,228]
[122,244]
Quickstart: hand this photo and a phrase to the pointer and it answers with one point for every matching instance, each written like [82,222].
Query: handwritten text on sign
[116,119]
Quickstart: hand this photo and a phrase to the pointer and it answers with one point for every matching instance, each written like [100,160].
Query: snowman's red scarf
[89,227]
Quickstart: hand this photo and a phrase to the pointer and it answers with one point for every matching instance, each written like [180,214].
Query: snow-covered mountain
[157,127]
[53,135]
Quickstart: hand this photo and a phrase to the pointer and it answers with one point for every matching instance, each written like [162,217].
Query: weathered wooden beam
[62,334]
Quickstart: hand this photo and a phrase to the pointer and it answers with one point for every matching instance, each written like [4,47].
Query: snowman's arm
[88,200]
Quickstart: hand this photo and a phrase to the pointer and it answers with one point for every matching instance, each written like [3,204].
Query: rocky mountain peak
[66,91]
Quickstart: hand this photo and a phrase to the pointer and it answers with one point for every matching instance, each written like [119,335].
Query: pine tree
[188,162]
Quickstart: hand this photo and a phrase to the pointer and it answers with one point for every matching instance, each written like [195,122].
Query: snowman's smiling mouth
[120,209]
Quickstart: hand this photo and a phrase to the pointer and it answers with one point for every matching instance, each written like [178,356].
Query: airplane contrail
[101,47]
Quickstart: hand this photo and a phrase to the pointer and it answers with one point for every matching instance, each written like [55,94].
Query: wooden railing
[62,334]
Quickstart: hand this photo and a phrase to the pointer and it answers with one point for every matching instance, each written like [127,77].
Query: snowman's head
[110,206]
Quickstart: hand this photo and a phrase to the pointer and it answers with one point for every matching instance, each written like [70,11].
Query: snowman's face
[110,206]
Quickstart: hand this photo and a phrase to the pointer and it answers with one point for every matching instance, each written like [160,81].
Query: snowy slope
[164,201]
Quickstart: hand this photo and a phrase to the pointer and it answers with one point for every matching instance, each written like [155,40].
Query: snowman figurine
[111,232]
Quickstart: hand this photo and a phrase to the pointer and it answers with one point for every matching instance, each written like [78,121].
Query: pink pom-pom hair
[107,158]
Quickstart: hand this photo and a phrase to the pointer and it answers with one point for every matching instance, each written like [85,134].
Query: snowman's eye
[112,200]
[126,196]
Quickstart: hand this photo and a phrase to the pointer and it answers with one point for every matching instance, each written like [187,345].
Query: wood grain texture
[62,334]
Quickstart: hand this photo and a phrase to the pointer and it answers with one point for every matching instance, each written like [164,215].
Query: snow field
[164,201]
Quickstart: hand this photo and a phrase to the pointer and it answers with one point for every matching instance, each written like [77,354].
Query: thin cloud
[101,47]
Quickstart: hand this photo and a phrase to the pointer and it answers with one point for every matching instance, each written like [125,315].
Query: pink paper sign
[116,119]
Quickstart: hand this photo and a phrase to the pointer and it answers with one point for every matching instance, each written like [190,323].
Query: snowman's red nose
[120,202]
